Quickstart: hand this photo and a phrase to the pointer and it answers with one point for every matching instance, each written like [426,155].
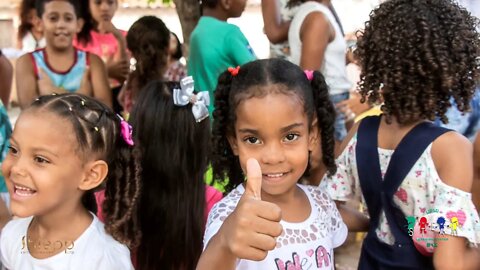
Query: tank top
[334,64]
[70,79]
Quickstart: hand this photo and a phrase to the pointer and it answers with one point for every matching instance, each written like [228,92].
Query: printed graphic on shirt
[322,260]
[46,246]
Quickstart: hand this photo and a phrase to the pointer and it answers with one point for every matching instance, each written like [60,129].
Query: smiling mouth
[274,176]
[23,191]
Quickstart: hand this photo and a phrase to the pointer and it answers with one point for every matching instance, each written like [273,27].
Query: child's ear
[313,135]
[95,172]
[226,4]
[233,144]
[80,23]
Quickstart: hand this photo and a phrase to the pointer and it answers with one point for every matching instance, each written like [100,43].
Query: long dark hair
[148,40]
[174,149]
[25,7]
[250,82]
[97,130]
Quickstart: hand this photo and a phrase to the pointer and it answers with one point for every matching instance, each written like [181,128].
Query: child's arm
[6,77]
[315,36]
[275,29]
[99,81]
[118,66]
[452,154]
[27,89]
[355,221]
[248,232]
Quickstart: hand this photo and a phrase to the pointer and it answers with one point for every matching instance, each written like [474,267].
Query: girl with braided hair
[269,116]
[416,56]
[148,39]
[61,149]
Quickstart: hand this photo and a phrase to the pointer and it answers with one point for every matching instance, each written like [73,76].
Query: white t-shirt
[305,245]
[30,44]
[334,61]
[94,249]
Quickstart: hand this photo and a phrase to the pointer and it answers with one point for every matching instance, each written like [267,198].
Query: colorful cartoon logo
[421,229]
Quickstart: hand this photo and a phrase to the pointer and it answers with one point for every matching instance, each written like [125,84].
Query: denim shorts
[467,123]
[340,129]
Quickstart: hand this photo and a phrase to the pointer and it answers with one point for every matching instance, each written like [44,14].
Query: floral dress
[421,194]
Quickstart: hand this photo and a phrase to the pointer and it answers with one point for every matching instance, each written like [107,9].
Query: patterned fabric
[70,79]
[421,194]
[5,132]
[304,245]
[175,72]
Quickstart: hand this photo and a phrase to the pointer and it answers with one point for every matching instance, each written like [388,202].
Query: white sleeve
[336,227]
[219,213]
[6,246]
[115,257]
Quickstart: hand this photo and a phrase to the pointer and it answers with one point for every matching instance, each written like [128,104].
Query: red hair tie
[234,71]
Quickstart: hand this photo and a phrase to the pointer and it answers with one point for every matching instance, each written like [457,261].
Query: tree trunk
[189,13]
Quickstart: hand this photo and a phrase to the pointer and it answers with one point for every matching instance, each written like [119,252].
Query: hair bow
[126,130]
[185,95]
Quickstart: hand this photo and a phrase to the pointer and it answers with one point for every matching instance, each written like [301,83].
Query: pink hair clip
[234,71]
[309,74]
[126,130]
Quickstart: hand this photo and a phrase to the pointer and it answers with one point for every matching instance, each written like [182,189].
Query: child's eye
[252,140]
[41,160]
[53,18]
[12,150]
[291,137]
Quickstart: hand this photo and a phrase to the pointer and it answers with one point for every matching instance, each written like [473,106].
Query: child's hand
[85,85]
[117,69]
[45,84]
[250,231]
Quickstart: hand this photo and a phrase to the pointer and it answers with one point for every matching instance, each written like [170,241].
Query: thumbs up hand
[250,230]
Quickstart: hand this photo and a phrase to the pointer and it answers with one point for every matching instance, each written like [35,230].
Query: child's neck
[37,35]
[67,52]
[216,13]
[61,60]
[63,225]
[293,204]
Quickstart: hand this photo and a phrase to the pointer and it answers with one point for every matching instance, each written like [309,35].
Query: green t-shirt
[214,46]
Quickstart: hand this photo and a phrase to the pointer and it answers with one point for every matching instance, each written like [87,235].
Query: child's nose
[18,169]
[273,154]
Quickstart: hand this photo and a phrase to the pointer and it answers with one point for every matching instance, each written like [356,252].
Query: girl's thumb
[254,179]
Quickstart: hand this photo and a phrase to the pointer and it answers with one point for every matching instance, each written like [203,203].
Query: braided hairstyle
[260,78]
[416,55]
[148,40]
[97,130]
[174,159]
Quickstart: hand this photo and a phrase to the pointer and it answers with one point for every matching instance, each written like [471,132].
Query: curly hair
[148,40]
[417,55]
[174,159]
[97,129]
[284,77]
